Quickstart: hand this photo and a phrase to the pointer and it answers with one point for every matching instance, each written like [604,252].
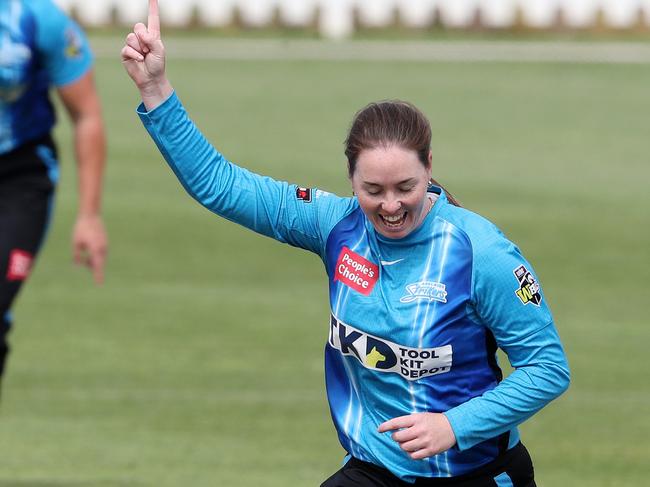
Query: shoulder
[40,8]
[341,203]
[47,15]
[481,234]
[333,208]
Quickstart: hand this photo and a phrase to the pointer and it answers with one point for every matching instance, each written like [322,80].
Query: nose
[391,205]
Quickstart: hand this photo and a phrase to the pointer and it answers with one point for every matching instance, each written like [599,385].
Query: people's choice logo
[381,355]
[425,290]
[356,272]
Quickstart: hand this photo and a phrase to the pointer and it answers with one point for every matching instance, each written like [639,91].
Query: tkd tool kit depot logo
[378,354]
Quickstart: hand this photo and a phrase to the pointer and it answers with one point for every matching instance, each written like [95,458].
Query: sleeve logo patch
[73,44]
[355,271]
[377,354]
[529,290]
[20,263]
[303,194]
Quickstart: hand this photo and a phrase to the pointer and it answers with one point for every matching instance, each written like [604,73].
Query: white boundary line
[420,51]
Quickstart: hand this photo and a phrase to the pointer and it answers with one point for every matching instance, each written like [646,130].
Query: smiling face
[391,186]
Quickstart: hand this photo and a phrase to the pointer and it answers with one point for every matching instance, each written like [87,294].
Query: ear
[430,160]
[351,180]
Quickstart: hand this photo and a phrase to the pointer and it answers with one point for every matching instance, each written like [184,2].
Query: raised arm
[143,57]
[273,208]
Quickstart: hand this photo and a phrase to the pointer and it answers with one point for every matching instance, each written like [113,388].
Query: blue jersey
[415,322]
[40,47]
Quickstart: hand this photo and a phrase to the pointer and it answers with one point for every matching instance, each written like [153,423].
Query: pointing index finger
[396,423]
[153,22]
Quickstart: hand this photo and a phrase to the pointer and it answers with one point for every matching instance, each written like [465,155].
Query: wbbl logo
[529,290]
[384,356]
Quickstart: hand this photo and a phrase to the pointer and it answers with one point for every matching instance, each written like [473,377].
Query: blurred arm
[89,239]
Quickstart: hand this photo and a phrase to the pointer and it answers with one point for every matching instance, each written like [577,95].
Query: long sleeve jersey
[415,322]
[40,47]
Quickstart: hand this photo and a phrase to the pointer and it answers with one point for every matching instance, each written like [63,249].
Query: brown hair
[390,123]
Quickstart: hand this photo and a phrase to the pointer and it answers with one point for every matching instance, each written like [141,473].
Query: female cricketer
[422,293]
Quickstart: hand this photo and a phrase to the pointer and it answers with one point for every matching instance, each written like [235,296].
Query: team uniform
[415,322]
[40,47]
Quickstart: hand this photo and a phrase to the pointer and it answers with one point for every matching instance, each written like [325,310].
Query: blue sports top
[39,47]
[415,322]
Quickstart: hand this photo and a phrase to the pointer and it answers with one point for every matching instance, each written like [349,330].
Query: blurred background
[200,360]
[342,18]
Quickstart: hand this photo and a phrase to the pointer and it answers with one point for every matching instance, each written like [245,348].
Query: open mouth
[394,221]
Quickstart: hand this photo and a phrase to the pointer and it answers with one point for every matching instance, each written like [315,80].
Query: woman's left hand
[421,435]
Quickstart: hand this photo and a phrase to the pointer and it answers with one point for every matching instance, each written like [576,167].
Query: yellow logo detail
[72,51]
[374,357]
[525,294]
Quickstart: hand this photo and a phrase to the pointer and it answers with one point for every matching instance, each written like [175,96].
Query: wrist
[155,92]
[88,215]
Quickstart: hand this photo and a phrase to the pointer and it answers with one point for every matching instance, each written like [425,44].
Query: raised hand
[421,435]
[143,57]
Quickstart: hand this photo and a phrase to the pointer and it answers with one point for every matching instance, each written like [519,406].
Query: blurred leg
[4,346]
[25,199]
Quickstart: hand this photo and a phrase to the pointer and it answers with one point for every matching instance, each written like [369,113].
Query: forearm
[543,376]
[228,190]
[90,151]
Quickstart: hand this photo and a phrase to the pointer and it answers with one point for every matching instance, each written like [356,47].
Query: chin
[393,233]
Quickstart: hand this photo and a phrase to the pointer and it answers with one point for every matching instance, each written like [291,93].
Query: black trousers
[26,190]
[512,468]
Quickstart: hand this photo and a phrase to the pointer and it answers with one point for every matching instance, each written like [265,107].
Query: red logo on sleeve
[20,263]
[304,194]
[355,271]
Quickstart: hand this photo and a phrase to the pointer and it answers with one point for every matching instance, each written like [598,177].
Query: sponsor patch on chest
[383,356]
[356,271]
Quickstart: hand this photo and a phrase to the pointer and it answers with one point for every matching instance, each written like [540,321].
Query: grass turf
[199,362]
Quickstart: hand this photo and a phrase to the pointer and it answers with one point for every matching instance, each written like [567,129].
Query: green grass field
[199,362]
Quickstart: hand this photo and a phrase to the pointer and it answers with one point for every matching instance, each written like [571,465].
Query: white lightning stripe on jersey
[447,230]
[417,392]
[352,425]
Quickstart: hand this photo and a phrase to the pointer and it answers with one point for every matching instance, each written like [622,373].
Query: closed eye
[373,189]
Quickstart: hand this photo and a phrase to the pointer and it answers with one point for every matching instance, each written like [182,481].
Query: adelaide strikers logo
[426,290]
[529,290]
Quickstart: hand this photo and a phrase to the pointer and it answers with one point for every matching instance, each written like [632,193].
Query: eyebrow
[399,183]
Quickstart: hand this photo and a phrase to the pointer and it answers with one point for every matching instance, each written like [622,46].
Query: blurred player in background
[42,48]
[422,293]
